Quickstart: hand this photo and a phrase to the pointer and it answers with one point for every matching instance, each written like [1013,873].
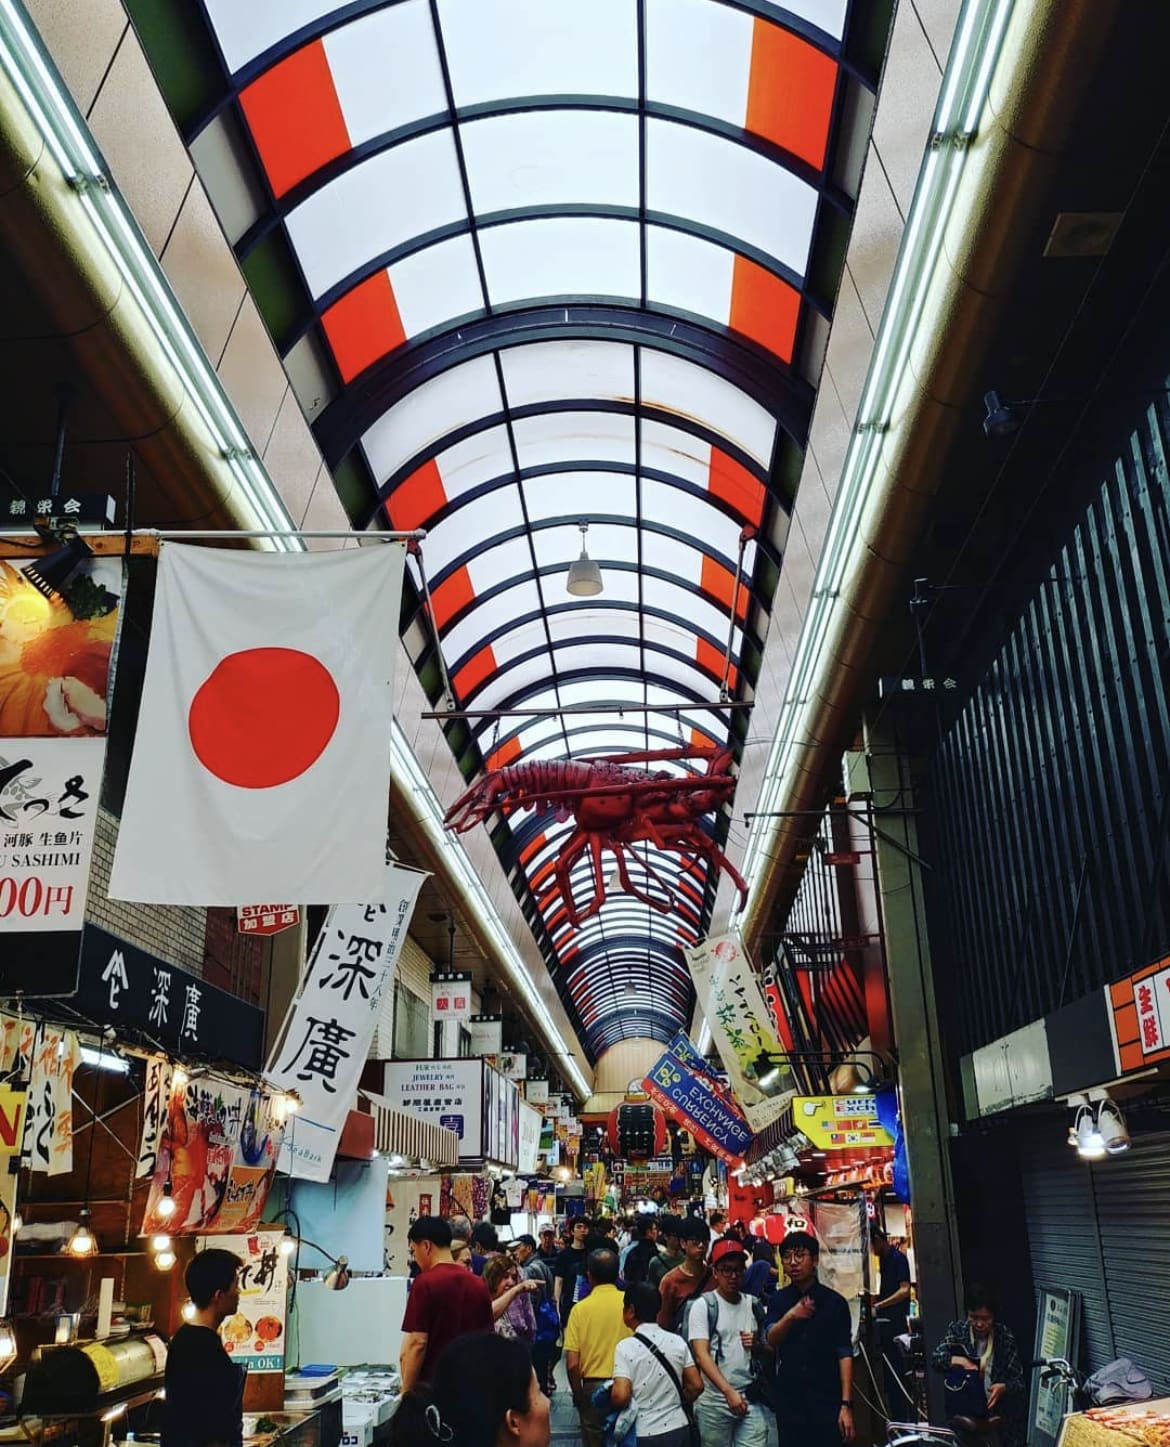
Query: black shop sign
[139,994]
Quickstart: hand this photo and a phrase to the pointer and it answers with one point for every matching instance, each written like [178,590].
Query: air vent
[1083,233]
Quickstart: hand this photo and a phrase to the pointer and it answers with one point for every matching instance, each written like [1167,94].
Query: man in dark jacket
[643,1251]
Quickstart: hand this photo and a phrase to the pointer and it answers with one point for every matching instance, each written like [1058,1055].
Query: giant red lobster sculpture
[615,807]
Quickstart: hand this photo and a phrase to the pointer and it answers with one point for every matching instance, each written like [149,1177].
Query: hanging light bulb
[164,1260]
[188,1311]
[584,580]
[160,1243]
[179,1078]
[288,1245]
[166,1207]
[82,1242]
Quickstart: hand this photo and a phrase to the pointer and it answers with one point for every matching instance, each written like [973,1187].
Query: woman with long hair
[484,1394]
[518,1318]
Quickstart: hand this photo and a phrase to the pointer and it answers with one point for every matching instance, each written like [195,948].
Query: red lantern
[636,1131]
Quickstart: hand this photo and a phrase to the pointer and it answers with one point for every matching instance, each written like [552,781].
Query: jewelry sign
[327,1037]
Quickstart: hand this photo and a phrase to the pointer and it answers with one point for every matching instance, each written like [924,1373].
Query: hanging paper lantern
[636,1131]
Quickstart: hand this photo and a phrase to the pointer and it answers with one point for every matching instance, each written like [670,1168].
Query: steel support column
[883,774]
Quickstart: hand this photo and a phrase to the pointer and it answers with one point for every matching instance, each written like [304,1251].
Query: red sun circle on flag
[263,716]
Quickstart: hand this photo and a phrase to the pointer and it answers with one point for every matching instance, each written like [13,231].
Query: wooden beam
[101,545]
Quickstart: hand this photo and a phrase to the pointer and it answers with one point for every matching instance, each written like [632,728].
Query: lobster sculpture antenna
[614,806]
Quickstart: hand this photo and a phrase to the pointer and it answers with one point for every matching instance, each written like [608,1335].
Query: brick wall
[174,933]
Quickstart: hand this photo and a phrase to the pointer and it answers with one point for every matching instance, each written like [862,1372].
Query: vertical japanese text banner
[56,676]
[254,1336]
[42,1058]
[753,1056]
[327,1038]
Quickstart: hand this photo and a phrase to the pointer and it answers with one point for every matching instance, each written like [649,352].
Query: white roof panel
[690,173]
[552,158]
[502,48]
[432,410]
[379,204]
[385,69]
[561,256]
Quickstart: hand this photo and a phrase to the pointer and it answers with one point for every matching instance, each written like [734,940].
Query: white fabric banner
[48,1121]
[327,1038]
[530,1123]
[261,765]
[753,1056]
[156,1099]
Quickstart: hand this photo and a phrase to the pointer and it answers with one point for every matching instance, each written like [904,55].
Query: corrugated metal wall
[1104,1230]
[1064,1240]
[1048,793]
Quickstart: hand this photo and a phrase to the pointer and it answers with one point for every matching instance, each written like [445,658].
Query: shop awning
[398,1133]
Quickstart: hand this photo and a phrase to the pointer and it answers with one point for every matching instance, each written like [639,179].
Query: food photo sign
[254,1336]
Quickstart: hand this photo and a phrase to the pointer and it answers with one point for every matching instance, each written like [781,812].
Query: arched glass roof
[539,262]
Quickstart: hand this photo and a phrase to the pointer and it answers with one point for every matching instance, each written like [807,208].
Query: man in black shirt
[893,1300]
[891,1309]
[205,1388]
[569,1266]
[810,1331]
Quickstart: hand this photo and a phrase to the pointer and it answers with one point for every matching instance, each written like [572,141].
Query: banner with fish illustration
[56,674]
[216,1158]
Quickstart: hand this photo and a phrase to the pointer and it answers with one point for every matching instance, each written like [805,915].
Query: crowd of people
[692,1342]
[661,1337]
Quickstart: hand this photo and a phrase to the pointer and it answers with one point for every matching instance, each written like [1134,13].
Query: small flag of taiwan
[261,766]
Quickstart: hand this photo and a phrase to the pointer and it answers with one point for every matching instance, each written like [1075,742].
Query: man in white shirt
[639,1373]
[723,1351]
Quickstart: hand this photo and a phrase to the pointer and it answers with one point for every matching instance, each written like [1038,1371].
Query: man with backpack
[691,1276]
[545,1351]
[725,1330]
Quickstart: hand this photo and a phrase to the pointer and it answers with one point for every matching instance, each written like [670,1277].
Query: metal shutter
[1133,1214]
[1063,1236]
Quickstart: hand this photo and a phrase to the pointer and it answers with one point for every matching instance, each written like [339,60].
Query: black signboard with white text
[124,986]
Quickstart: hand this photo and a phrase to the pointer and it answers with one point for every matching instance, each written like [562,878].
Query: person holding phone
[810,1330]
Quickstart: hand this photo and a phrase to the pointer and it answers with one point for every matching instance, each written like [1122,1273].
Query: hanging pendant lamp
[584,580]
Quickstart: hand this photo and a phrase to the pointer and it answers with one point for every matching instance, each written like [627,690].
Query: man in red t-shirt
[445,1301]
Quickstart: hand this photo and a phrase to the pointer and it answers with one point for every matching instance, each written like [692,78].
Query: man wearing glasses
[810,1331]
[723,1340]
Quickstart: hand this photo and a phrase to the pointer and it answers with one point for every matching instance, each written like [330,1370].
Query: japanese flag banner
[327,1035]
[261,765]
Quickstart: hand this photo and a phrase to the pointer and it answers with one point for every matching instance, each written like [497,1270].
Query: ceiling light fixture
[584,580]
[1111,1128]
[50,573]
[1000,420]
[166,1206]
[82,1242]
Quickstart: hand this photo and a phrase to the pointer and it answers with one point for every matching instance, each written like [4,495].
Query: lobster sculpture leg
[614,806]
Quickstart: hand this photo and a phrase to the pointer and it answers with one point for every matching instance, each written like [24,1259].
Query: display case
[1146,1423]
